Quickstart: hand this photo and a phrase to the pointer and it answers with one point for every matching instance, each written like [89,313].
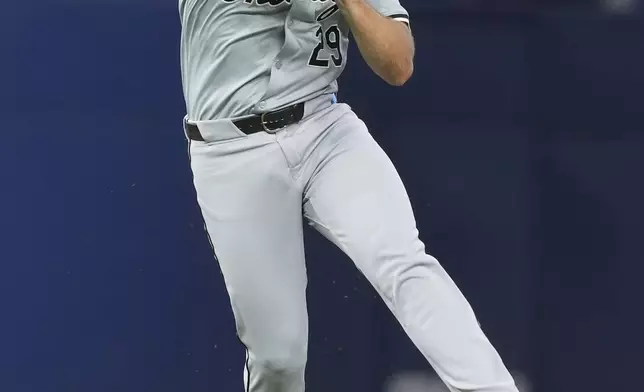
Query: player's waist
[270,121]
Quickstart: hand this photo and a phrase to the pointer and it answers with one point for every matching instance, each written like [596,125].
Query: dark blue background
[520,138]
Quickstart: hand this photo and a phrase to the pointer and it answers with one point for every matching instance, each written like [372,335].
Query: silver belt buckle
[264,123]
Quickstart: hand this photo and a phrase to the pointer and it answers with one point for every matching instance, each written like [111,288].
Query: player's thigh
[359,202]
[253,215]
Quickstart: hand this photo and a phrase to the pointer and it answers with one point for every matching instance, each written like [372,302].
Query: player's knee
[424,271]
[284,354]
[399,271]
[286,360]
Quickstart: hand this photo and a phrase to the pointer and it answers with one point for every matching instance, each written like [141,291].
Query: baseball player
[272,148]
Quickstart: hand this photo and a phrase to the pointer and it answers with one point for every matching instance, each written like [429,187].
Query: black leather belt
[270,122]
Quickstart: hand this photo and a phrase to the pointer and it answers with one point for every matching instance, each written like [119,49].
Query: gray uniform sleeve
[391,8]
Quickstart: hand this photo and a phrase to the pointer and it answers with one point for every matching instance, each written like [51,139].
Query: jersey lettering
[327,13]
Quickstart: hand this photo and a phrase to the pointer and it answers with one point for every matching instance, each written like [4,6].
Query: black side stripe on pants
[212,246]
[247,365]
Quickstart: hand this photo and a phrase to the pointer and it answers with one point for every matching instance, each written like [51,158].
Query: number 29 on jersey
[328,50]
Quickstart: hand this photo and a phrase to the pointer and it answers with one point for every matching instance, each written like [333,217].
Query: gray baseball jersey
[241,57]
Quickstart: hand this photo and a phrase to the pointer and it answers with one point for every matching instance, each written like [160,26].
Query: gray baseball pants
[255,192]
